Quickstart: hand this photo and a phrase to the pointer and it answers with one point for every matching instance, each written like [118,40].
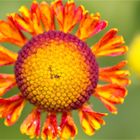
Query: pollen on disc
[56,71]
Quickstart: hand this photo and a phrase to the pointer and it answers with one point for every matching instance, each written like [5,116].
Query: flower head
[57,71]
[133,55]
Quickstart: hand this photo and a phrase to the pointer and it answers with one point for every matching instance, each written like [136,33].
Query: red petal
[109,45]
[67,127]
[110,95]
[115,75]
[50,130]
[90,120]
[90,25]
[31,125]
[11,108]
[99,27]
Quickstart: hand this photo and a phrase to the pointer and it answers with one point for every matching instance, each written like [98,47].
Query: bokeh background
[122,14]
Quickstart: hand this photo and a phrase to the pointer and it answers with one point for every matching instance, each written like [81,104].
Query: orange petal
[90,120]
[115,75]
[90,25]
[72,16]
[28,20]
[11,108]
[50,130]
[47,19]
[7,82]
[110,95]
[36,18]
[110,45]
[31,125]
[58,9]
[7,57]
[10,33]
[68,15]
[67,127]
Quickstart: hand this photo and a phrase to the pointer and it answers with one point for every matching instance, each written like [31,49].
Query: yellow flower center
[56,71]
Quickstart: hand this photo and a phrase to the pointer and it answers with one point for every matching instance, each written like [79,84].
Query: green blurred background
[122,14]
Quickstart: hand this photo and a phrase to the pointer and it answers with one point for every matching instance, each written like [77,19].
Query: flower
[57,71]
[133,55]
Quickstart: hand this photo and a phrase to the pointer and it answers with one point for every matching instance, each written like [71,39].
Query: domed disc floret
[56,71]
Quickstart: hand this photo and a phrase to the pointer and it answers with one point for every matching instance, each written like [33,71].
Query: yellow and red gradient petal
[90,120]
[31,125]
[115,75]
[68,15]
[11,108]
[28,20]
[110,95]
[67,127]
[50,128]
[21,23]
[90,25]
[47,19]
[56,71]
[110,45]
[7,82]
[7,57]
[10,33]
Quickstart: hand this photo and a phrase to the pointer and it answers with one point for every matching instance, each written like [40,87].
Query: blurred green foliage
[123,15]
